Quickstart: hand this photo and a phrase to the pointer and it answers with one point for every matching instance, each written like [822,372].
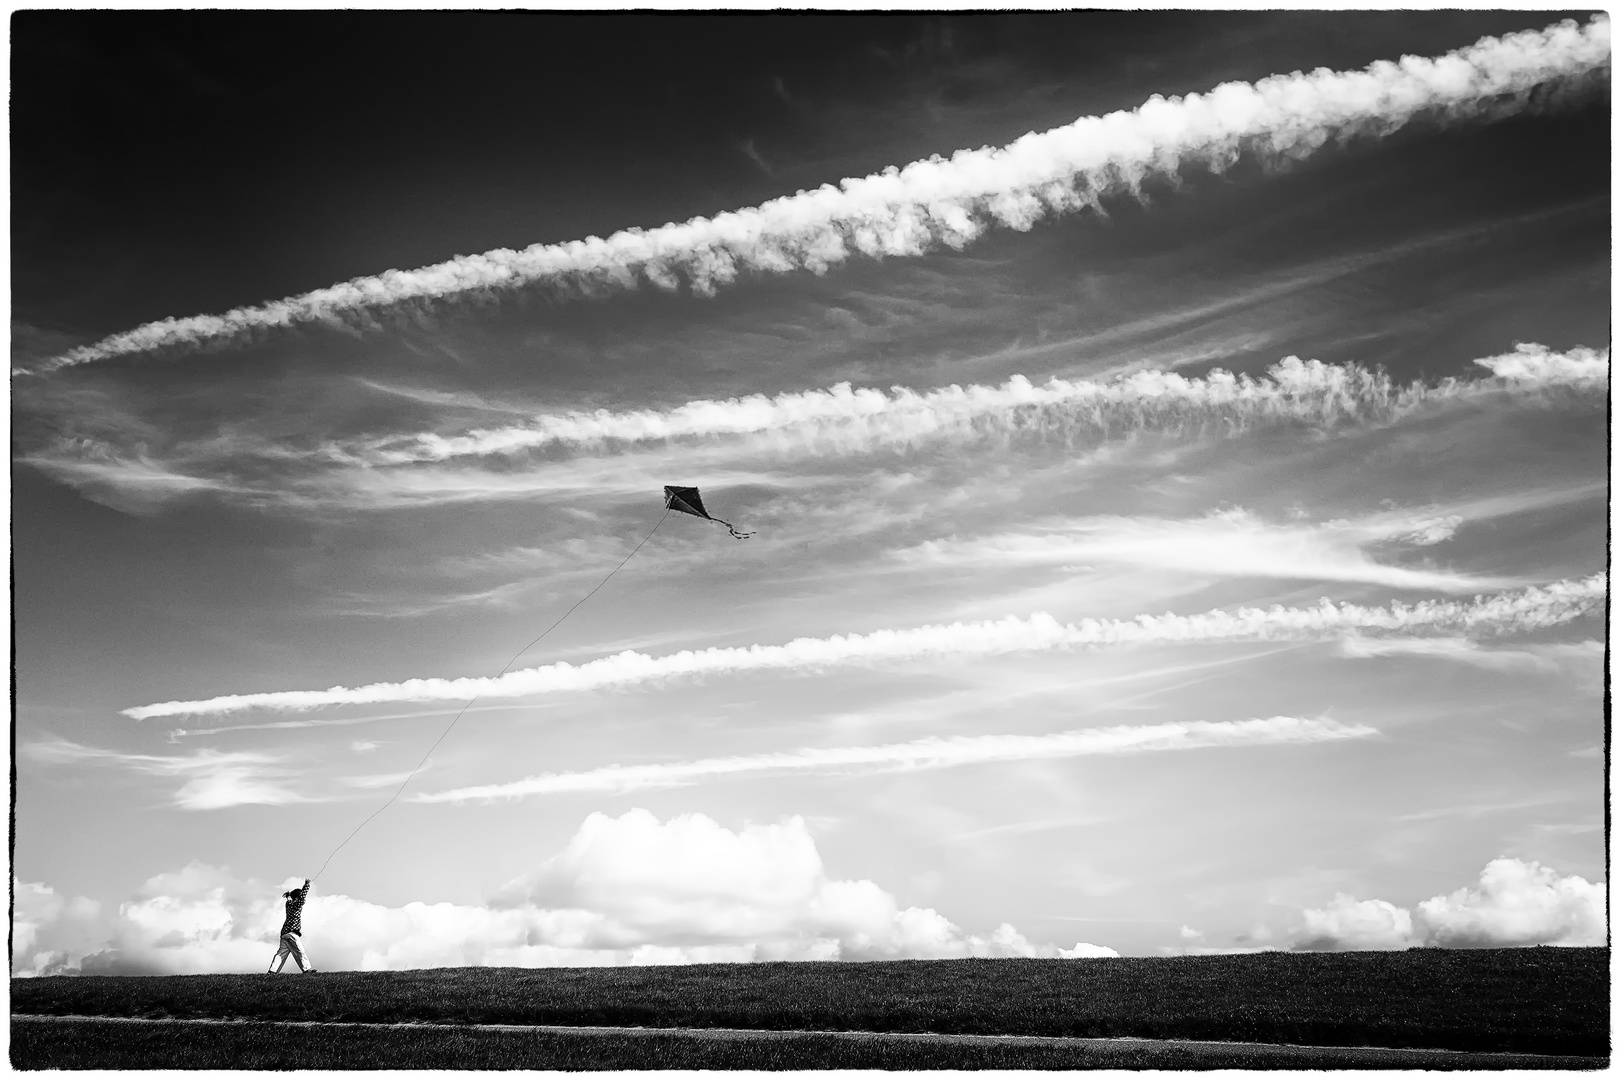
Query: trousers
[290,945]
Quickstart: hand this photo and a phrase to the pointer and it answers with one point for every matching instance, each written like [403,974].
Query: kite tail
[733,528]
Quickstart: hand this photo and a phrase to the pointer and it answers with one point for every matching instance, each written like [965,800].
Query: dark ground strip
[101,1042]
[1529,1001]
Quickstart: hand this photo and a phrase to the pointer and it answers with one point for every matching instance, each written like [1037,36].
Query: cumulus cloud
[1348,923]
[1537,607]
[1536,365]
[1226,543]
[50,932]
[625,890]
[192,921]
[213,779]
[926,204]
[1516,903]
[928,753]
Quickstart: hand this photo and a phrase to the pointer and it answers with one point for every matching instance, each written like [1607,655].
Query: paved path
[1410,1057]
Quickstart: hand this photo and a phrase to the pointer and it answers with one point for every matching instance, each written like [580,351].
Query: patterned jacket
[294,924]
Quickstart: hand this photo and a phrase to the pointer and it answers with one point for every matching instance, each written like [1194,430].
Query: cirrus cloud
[929,753]
[1537,607]
[950,202]
[845,420]
[213,779]
[1226,543]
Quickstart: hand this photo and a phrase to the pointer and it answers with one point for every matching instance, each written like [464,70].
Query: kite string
[474,698]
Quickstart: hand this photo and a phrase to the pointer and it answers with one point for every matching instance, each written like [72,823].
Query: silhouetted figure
[292,928]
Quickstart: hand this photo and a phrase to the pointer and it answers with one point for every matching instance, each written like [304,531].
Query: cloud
[1549,658]
[1348,923]
[622,476]
[131,481]
[1536,365]
[1516,903]
[1226,543]
[843,420]
[177,734]
[625,890]
[192,921]
[929,753]
[198,919]
[950,202]
[1427,532]
[49,931]
[382,780]
[1537,607]
[1081,950]
[213,779]
[753,440]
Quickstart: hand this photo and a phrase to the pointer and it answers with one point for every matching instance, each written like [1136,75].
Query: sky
[1175,446]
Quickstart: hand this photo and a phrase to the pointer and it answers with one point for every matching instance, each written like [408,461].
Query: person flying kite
[292,928]
[688,501]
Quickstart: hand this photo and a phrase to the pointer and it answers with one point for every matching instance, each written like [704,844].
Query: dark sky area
[165,163]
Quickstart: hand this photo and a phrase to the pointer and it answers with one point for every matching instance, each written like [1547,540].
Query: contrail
[951,201]
[847,420]
[1533,608]
[930,753]
[740,440]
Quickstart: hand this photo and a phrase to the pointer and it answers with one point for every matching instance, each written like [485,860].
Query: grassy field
[1539,1001]
[41,1042]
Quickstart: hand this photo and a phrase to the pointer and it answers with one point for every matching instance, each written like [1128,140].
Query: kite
[688,501]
